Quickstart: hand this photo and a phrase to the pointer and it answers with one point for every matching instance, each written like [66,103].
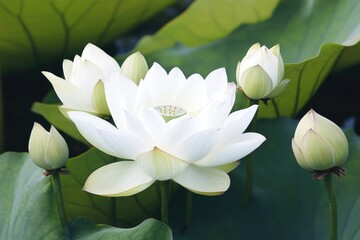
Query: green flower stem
[165,189]
[55,180]
[2,147]
[248,179]
[113,211]
[188,214]
[249,175]
[332,207]
[189,202]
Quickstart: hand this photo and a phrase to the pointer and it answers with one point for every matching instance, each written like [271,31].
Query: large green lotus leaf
[207,20]
[312,34]
[349,57]
[122,211]
[28,205]
[83,228]
[286,202]
[37,32]
[305,78]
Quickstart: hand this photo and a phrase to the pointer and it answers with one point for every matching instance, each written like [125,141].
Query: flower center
[169,112]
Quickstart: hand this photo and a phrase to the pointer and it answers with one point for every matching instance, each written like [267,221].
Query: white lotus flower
[171,128]
[260,73]
[83,89]
[48,150]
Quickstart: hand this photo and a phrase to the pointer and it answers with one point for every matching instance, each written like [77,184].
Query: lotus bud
[260,73]
[318,143]
[134,67]
[48,150]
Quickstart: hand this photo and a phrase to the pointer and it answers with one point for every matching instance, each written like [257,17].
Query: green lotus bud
[260,73]
[134,67]
[48,150]
[318,143]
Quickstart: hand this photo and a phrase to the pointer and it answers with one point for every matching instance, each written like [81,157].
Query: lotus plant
[321,147]
[168,127]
